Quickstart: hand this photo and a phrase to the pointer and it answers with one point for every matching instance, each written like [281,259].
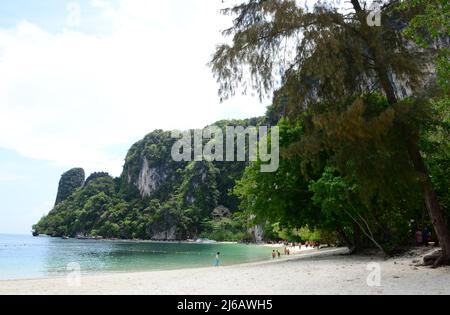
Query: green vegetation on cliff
[155,197]
[69,183]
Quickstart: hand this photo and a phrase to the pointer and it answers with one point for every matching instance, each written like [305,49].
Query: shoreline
[98,275]
[295,256]
[137,241]
[319,272]
[293,249]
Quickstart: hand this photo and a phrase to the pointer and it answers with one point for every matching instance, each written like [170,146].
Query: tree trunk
[356,239]
[432,203]
[431,200]
[345,238]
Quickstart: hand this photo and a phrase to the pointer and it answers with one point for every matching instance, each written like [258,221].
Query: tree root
[436,260]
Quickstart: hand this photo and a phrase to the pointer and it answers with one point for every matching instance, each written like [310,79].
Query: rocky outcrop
[168,235]
[69,183]
[199,188]
[156,198]
[221,212]
[257,233]
[149,166]
[149,179]
[95,176]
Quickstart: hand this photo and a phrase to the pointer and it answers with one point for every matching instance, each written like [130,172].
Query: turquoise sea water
[27,257]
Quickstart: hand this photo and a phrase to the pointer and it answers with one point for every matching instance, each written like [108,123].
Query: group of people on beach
[309,244]
[312,245]
[276,253]
[288,246]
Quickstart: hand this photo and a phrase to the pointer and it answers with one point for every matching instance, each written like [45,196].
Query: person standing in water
[217,260]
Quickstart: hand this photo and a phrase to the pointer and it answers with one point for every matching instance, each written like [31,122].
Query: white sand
[324,272]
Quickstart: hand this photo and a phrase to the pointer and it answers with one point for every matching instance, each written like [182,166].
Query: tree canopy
[365,96]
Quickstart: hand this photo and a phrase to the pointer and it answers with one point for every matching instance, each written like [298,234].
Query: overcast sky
[81,81]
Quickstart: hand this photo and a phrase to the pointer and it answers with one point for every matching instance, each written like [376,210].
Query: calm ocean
[27,257]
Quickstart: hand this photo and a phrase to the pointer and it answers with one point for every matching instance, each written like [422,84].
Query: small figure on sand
[287,251]
[425,237]
[217,260]
[279,254]
[419,240]
[274,254]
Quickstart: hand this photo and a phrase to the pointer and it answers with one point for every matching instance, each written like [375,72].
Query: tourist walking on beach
[217,260]
[274,254]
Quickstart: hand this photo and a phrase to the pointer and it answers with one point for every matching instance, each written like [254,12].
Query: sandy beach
[319,272]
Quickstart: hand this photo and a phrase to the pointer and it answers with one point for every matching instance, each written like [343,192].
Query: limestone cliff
[155,198]
[69,182]
[149,166]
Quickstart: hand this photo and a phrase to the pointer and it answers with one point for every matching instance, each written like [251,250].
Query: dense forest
[364,118]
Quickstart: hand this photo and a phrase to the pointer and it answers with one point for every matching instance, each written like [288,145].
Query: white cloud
[68,97]
[8,178]
[73,18]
